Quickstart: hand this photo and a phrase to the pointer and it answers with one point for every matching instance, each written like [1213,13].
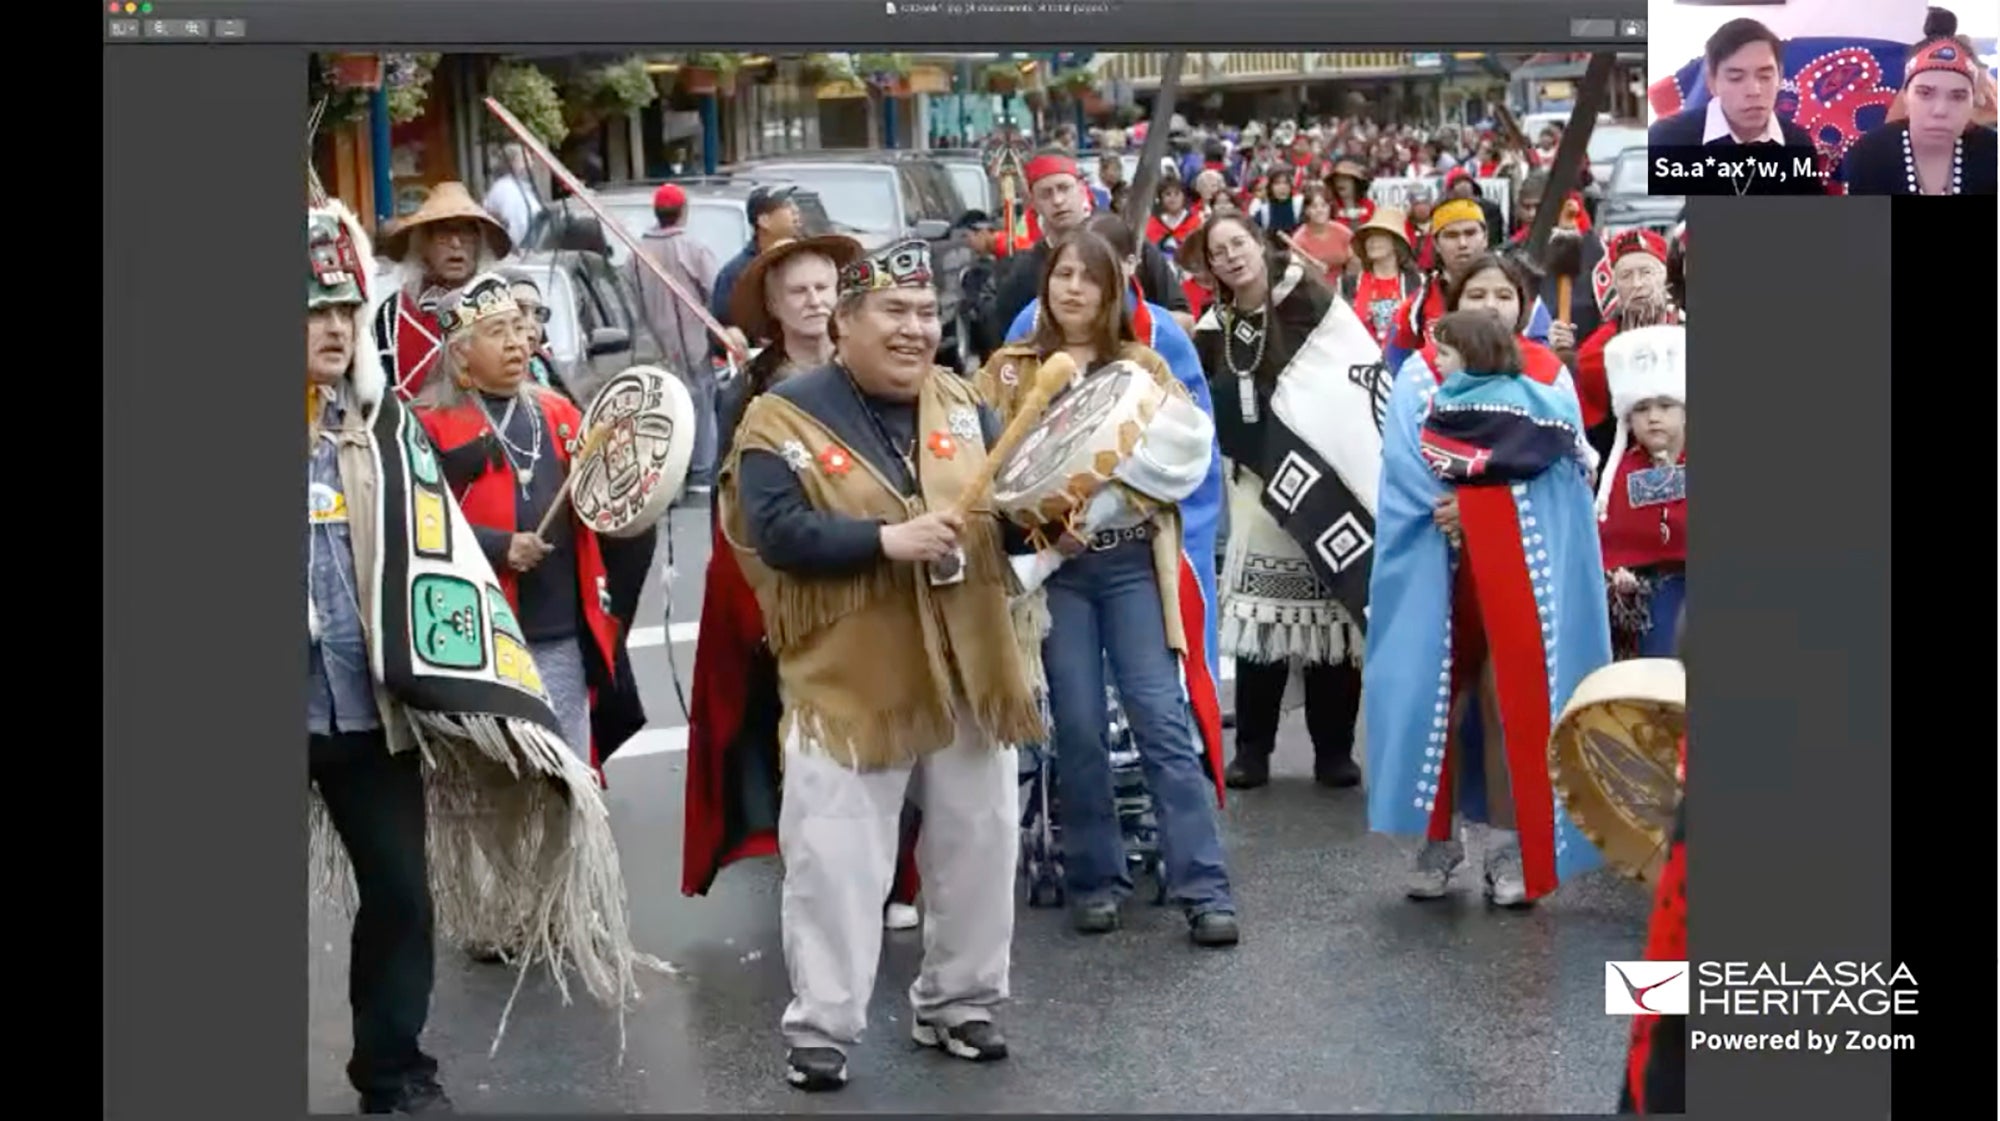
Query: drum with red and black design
[627,479]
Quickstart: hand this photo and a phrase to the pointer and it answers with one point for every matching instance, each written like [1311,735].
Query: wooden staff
[1324,268]
[590,445]
[612,226]
[1050,379]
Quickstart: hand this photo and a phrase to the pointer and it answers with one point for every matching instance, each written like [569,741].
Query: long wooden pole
[612,226]
[1139,204]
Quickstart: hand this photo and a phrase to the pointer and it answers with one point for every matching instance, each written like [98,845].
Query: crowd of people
[1276,423]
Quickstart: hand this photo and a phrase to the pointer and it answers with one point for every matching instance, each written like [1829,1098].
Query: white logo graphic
[1641,988]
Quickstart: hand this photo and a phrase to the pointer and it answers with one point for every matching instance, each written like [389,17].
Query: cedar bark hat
[1391,221]
[748,309]
[448,202]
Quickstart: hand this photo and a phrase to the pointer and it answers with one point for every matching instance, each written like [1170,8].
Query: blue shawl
[1410,602]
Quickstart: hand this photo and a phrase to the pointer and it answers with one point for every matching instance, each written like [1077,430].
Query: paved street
[1343,997]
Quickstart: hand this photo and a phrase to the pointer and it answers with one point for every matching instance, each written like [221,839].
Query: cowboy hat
[748,310]
[448,201]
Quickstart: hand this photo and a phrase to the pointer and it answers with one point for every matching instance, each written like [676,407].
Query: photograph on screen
[718,456]
[1861,97]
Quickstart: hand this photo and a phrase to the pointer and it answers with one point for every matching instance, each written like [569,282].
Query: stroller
[1041,836]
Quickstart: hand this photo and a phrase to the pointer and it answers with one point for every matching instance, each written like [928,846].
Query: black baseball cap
[765,199]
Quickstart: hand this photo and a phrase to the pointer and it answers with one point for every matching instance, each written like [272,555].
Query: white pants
[838,833]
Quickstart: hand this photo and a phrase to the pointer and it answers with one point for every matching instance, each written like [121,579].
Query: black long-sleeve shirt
[788,532]
[547,592]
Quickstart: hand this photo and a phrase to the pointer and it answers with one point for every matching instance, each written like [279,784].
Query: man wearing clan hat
[448,241]
[886,607]
[418,691]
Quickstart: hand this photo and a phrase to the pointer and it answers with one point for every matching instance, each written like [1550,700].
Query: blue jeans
[1662,640]
[1106,606]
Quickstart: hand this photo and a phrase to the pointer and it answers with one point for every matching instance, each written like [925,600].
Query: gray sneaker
[1506,885]
[1435,864]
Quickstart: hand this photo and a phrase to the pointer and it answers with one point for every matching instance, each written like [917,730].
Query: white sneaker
[901,916]
[1506,884]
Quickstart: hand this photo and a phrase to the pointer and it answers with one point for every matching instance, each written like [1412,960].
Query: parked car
[1627,203]
[889,195]
[967,168]
[1607,141]
[717,214]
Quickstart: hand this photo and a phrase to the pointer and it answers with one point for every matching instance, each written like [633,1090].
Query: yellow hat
[1456,210]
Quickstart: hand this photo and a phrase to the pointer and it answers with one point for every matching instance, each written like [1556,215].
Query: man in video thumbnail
[1744,69]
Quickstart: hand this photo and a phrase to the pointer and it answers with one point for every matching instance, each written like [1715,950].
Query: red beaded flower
[942,445]
[835,460]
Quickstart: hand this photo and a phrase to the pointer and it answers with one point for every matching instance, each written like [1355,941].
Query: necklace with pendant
[523,475]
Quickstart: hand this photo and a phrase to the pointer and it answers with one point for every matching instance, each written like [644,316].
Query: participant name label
[1736,170]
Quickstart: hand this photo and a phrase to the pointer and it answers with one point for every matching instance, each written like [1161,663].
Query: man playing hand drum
[887,612]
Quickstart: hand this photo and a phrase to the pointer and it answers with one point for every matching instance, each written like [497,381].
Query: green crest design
[446,622]
[423,464]
[503,615]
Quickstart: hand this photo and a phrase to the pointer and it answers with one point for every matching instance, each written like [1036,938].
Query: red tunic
[1632,538]
[489,502]
[1169,238]
[418,341]
[1377,300]
[1416,314]
[1593,391]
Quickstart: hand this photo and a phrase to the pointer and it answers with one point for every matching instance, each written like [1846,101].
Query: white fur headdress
[1642,364]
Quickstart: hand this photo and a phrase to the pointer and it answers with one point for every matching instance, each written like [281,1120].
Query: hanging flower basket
[1077,84]
[699,80]
[1002,79]
[820,69]
[407,77]
[357,71]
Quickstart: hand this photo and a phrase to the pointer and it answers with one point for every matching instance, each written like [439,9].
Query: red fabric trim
[1538,362]
[732,627]
[1468,654]
[1513,630]
[1202,695]
[1593,386]
[416,352]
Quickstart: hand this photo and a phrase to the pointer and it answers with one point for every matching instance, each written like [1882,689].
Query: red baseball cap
[669,197]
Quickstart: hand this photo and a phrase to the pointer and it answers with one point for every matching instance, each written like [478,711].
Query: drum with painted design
[626,482]
[1614,760]
[1080,442]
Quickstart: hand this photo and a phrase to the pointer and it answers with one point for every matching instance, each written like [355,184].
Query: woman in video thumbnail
[1487,574]
[1935,148]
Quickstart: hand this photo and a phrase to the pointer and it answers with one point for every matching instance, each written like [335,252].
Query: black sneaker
[1214,928]
[1341,773]
[1247,771]
[815,1069]
[978,1041]
[1094,918]
[421,1094]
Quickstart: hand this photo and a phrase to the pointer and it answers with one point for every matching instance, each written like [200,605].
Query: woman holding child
[1488,560]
